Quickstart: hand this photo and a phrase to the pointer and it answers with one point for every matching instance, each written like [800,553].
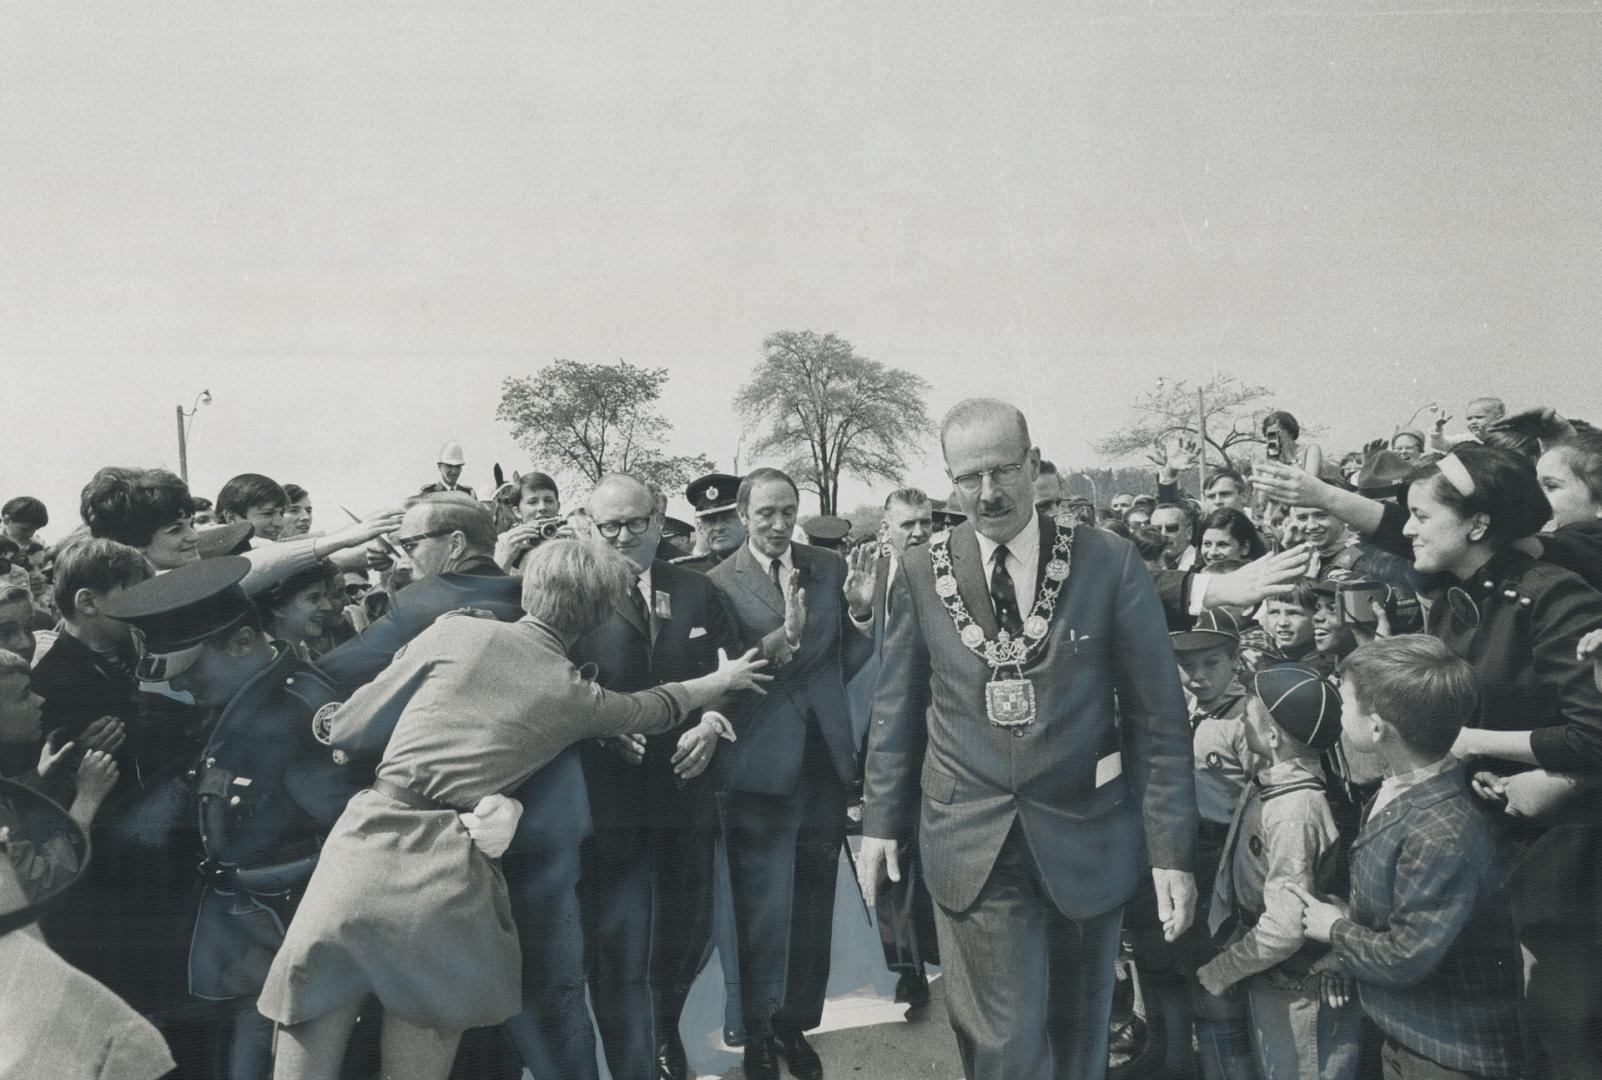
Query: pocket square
[697,631]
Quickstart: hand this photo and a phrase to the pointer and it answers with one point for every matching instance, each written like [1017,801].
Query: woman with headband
[1537,738]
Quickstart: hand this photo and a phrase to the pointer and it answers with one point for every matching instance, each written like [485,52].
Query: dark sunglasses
[409,544]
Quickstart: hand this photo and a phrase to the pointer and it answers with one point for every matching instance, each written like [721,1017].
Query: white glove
[492,823]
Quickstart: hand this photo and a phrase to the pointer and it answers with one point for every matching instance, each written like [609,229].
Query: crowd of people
[1311,758]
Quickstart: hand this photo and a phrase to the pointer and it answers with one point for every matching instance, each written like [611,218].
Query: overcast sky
[350,221]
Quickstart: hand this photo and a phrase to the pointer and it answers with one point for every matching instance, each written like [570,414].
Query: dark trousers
[615,891]
[682,842]
[1029,990]
[1400,1063]
[905,915]
[553,1032]
[784,854]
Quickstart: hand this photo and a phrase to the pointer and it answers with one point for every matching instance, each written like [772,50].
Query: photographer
[538,504]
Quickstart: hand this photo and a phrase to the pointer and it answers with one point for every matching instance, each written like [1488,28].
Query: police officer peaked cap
[1301,701]
[945,512]
[674,529]
[182,608]
[712,494]
[826,530]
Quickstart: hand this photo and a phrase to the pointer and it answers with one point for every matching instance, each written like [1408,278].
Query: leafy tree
[830,411]
[1168,413]
[592,419]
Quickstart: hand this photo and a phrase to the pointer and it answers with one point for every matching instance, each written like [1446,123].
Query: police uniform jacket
[266,792]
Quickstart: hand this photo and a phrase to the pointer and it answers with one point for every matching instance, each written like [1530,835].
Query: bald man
[1029,720]
[647,870]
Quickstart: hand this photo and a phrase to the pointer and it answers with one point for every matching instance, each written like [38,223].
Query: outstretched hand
[1271,575]
[743,672]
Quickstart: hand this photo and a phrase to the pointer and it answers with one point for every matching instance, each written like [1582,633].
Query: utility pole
[1201,448]
[183,448]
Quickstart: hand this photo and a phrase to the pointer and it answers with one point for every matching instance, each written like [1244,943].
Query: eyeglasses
[635,525]
[409,544]
[355,592]
[1171,527]
[973,481]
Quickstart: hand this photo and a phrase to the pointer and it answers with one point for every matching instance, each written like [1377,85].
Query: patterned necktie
[773,569]
[1004,595]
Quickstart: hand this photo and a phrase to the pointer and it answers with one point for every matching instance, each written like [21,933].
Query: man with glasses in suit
[1029,718]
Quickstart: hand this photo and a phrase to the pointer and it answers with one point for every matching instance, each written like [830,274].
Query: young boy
[1281,834]
[20,710]
[1289,620]
[1207,655]
[1428,935]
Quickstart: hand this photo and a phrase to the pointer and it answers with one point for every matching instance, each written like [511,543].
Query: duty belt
[407,797]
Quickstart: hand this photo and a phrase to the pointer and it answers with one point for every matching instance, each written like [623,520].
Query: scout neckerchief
[1009,703]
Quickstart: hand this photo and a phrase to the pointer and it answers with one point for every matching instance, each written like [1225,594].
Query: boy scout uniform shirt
[1282,832]
[1223,760]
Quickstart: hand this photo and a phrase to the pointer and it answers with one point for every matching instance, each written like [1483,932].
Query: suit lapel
[630,616]
[756,580]
[973,585]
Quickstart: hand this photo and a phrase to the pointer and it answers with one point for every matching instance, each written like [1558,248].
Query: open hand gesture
[795,610]
[862,575]
[743,672]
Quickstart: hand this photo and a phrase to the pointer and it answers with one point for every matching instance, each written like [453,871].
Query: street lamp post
[185,418]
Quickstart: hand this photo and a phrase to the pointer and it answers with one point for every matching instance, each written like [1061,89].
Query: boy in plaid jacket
[1428,934]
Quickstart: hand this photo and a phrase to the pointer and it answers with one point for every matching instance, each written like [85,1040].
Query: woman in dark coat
[404,905]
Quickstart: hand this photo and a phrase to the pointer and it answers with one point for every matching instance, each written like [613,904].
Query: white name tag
[1109,768]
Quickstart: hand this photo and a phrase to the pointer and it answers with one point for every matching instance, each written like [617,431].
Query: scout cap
[1213,627]
[1301,701]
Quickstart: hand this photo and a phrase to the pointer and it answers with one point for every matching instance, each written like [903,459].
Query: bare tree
[592,419]
[830,412]
[1169,412]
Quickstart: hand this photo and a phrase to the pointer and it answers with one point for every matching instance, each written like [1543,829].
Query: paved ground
[886,1044]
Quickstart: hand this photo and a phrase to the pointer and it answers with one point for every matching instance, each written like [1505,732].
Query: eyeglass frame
[971,482]
[617,527]
[408,544]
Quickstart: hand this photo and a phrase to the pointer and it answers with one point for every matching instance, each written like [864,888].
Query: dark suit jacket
[478,584]
[630,656]
[772,729]
[1109,751]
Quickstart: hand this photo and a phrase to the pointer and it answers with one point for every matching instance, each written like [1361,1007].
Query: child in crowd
[20,712]
[1207,654]
[1289,620]
[1282,834]
[1428,934]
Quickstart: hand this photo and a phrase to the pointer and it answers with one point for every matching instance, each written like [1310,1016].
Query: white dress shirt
[786,564]
[1023,562]
[1393,786]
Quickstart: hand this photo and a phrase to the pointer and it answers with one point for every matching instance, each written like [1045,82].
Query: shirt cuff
[1198,593]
